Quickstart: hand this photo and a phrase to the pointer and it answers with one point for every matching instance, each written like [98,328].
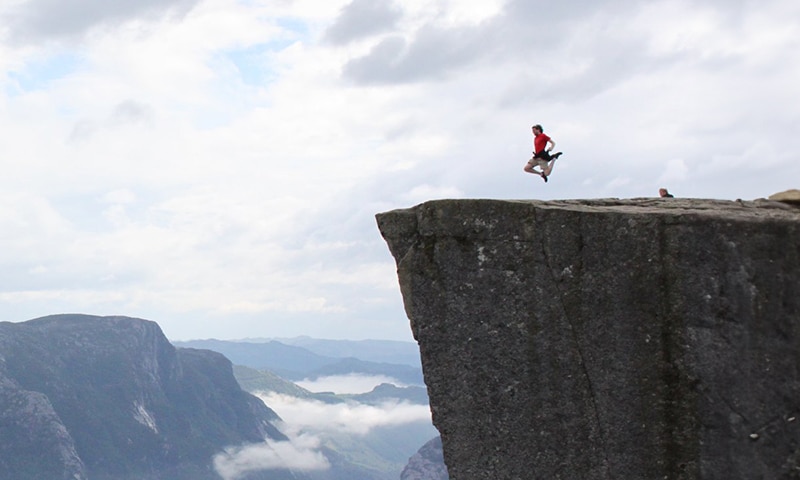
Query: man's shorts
[543,154]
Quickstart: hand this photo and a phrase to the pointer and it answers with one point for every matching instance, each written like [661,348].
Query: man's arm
[552,145]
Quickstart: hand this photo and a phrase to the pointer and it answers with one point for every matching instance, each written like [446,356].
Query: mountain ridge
[114,399]
[299,363]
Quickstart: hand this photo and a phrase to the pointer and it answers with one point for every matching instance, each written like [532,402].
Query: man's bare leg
[549,168]
[529,167]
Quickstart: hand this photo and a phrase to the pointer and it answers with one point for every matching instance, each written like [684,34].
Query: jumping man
[541,153]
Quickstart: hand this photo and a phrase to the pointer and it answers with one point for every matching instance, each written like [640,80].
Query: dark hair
[538,127]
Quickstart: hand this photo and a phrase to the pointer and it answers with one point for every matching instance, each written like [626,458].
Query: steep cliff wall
[607,339]
[108,398]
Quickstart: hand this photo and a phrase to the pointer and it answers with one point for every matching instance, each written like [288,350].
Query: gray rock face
[33,440]
[607,339]
[98,398]
[427,463]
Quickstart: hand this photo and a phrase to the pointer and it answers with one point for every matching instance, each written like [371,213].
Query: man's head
[537,129]
[663,192]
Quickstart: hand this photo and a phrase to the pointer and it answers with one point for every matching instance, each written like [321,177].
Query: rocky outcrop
[97,398]
[34,443]
[788,196]
[607,339]
[427,463]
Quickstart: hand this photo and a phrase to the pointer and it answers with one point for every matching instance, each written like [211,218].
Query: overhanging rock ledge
[607,339]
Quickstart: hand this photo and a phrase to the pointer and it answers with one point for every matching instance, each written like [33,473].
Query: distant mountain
[403,373]
[427,463]
[378,351]
[298,363]
[253,380]
[387,391]
[287,361]
[109,398]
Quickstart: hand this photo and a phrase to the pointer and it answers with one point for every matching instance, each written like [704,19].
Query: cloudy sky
[216,165]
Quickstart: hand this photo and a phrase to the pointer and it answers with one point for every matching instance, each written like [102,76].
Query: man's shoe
[556,155]
[544,177]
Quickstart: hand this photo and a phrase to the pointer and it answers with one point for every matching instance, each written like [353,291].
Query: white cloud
[461,12]
[298,454]
[362,18]
[121,196]
[422,193]
[44,19]
[307,424]
[316,417]
[350,383]
[675,170]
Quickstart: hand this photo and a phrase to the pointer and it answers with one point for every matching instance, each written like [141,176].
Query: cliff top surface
[700,206]
[488,218]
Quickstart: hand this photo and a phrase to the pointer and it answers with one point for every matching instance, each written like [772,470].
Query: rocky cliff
[427,463]
[97,398]
[607,339]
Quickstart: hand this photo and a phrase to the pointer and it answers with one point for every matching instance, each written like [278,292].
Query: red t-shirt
[539,142]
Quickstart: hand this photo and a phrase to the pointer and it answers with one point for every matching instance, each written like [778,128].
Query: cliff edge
[607,339]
